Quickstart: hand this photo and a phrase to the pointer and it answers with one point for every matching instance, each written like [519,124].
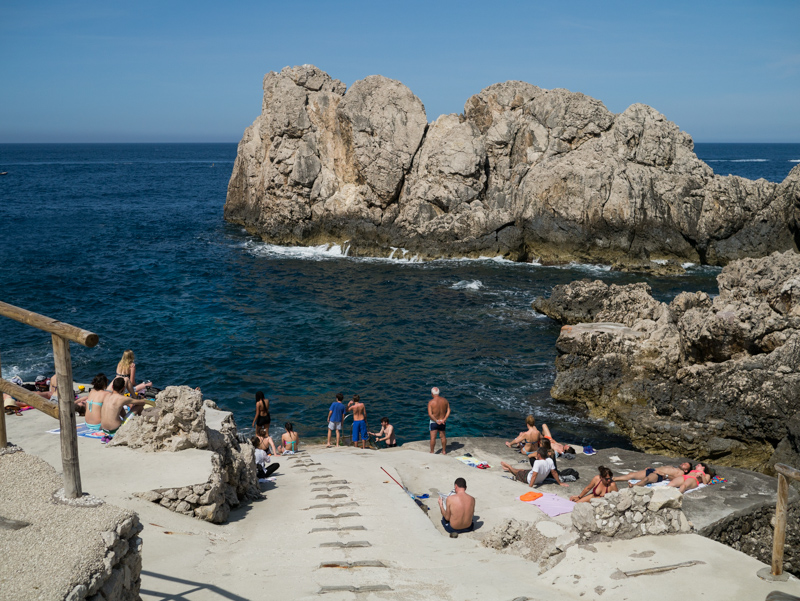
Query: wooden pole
[48,324]
[3,435]
[29,398]
[780,526]
[66,417]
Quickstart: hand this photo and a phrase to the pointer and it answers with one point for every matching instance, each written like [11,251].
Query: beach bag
[569,475]
[150,392]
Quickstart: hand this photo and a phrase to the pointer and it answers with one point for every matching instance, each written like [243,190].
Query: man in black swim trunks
[458,509]
[438,412]
[651,475]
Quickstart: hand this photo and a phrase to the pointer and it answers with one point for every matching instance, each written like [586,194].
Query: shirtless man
[359,421]
[111,411]
[529,440]
[438,412]
[655,474]
[386,434]
[458,509]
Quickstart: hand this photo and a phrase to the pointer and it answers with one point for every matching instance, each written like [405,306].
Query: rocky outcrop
[715,379]
[630,513]
[544,542]
[524,173]
[182,420]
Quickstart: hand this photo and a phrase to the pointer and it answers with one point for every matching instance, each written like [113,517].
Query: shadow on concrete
[191,588]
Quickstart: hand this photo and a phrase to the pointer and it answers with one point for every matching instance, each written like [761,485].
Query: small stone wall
[120,577]
[752,534]
[630,513]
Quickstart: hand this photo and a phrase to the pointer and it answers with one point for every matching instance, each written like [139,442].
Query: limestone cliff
[524,172]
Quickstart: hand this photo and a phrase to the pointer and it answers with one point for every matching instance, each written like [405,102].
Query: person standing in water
[438,412]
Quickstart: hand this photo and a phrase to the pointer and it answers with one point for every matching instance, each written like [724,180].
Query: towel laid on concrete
[552,504]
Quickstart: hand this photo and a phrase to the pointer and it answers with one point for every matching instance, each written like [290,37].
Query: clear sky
[176,71]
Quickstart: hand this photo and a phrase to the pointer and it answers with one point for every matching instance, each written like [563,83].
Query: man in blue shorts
[335,417]
[359,421]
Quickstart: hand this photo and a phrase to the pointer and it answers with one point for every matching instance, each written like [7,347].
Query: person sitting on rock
[290,440]
[559,448]
[528,440]
[542,469]
[600,485]
[701,474]
[651,475]
[94,402]
[264,469]
[386,434]
[458,509]
[264,443]
[112,412]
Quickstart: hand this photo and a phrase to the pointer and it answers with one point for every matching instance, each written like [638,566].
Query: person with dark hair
[700,474]
[559,448]
[262,447]
[265,443]
[386,434]
[458,509]
[112,411]
[541,469]
[262,419]
[335,418]
[359,421]
[94,402]
[290,440]
[600,485]
[652,475]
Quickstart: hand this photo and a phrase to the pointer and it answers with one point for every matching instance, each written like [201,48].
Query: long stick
[395,481]
[3,435]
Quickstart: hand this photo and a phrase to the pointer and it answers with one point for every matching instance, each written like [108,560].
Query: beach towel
[472,462]
[82,430]
[666,483]
[530,496]
[552,504]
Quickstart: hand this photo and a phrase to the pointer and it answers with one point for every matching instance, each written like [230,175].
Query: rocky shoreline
[715,379]
[525,173]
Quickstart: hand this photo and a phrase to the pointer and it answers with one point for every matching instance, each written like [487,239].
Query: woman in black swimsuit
[262,419]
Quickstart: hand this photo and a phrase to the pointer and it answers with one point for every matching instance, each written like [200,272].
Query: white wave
[323,251]
[467,285]
[687,265]
[660,261]
[794,160]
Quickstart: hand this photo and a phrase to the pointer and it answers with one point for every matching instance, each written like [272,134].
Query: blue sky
[173,71]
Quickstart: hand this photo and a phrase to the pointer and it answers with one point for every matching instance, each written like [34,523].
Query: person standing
[335,418]
[438,412]
[359,421]
[262,419]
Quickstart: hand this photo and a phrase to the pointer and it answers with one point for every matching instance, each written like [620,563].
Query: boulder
[715,379]
[523,172]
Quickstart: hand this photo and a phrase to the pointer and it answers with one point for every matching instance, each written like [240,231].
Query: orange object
[530,496]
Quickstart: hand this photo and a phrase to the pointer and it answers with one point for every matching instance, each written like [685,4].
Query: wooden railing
[62,334]
[779,537]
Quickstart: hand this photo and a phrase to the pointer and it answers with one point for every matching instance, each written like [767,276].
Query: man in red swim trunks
[438,412]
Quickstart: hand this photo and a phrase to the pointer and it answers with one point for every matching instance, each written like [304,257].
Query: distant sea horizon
[128,240]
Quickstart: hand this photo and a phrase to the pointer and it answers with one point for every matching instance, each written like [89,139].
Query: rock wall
[120,578]
[752,533]
[524,173]
[715,379]
[182,420]
[630,513]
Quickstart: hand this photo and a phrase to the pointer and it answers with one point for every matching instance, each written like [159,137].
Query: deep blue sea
[128,241]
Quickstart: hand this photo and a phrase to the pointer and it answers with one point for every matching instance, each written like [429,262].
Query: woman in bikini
[264,443]
[558,447]
[126,368]
[262,419]
[701,474]
[600,485]
[290,440]
[94,402]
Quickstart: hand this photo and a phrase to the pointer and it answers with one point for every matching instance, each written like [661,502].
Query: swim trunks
[391,445]
[649,471]
[450,529]
[359,430]
[263,420]
[334,426]
[435,426]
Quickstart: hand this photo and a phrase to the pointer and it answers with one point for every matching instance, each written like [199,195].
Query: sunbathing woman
[264,443]
[701,474]
[126,368]
[94,402]
[290,440]
[652,475]
[558,447]
[528,441]
[262,419]
[598,487]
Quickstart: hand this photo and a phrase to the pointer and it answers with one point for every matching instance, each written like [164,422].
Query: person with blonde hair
[126,369]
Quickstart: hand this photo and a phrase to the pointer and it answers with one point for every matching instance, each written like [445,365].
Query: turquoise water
[128,241]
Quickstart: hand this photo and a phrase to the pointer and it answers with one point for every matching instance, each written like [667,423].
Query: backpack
[569,475]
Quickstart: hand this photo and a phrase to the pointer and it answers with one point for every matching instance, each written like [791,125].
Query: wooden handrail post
[3,435]
[66,417]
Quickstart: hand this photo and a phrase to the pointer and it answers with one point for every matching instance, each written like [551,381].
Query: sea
[129,241]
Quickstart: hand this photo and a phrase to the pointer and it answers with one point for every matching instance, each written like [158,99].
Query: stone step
[368,588]
[331,516]
[327,482]
[332,505]
[330,488]
[350,545]
[342,529]
[348,565]
[336,496]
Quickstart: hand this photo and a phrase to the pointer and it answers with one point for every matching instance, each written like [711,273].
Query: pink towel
[552,504]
